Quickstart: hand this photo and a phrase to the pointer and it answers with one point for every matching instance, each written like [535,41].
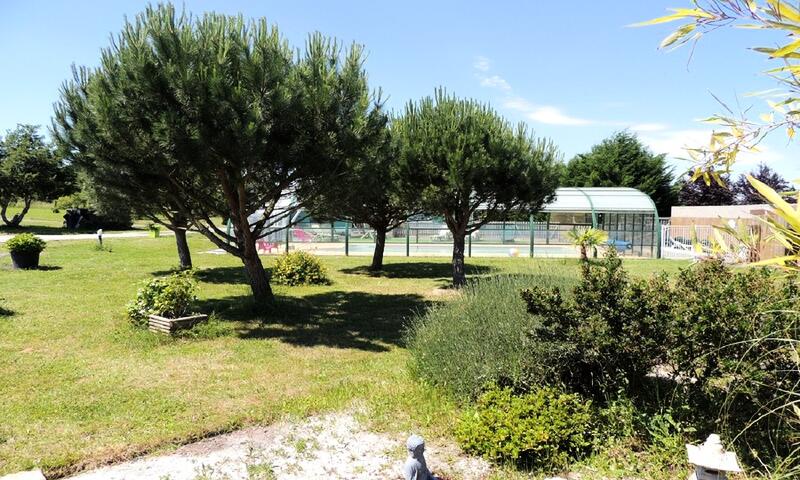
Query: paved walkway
[87,236]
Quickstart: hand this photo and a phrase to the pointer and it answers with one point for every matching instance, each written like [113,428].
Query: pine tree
[463,161]
[223,119]
[623,161]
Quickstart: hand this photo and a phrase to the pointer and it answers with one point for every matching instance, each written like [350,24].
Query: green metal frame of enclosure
[624,208]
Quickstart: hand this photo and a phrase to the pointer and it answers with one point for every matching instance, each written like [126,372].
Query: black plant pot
[25,259]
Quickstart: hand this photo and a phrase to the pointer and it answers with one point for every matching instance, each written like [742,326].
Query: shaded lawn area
[80,387]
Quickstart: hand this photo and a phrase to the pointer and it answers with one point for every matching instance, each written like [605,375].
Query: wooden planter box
[171,325]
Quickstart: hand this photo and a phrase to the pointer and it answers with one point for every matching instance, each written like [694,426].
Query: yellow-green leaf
[680,13]
[696,245]
[677,35]
[785,11]
[664,19]
[720,240]
[786,49]
[776,261]
[784,209]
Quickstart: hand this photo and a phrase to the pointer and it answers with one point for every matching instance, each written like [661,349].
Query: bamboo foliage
[735,132]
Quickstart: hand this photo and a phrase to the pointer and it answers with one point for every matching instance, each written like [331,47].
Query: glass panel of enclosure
[634,234]
[635,230]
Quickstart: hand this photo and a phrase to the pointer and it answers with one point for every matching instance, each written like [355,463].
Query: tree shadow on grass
[221,275]
[338,319]
[417,270]
[40,268]
[231,275]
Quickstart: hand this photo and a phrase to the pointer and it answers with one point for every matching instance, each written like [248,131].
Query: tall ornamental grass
[480,338]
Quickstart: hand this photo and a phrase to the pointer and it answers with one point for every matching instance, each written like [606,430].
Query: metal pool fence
[428,238]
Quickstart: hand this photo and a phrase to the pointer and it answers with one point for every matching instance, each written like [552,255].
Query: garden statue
[711,461]
[415,467]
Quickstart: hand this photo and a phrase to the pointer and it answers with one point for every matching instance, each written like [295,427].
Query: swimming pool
[437,250]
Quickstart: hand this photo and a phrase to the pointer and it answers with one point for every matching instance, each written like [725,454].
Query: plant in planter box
[164,303]
[155,230]
[25,249]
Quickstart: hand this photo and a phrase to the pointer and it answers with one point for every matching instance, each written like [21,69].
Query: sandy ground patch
[333,446]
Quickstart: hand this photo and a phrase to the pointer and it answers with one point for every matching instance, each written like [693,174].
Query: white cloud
[519,104]
[481,63]
[554,116]
[648,127]
[543,113]
[495,81]
[673,143]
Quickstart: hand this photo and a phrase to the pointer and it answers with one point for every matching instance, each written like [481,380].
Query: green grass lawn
[80,387]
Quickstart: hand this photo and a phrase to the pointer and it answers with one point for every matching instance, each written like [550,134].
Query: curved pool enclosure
[628,215]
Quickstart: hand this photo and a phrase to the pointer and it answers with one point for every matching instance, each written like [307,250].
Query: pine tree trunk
[380,246]
[257,276]
[184,255]
[459,275]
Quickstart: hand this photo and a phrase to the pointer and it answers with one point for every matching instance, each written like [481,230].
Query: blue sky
[572,71]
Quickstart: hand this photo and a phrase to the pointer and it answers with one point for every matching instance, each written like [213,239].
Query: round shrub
[25,243]
[170,297]
[299,268]
[541,429]
[479,338]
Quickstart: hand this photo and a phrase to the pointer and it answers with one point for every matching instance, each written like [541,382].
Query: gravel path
[86,236]
[333,446]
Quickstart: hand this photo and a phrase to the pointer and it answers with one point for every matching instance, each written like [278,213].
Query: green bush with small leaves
[299,268]
[25,243]
[544,428]
[170,296]
[704,332]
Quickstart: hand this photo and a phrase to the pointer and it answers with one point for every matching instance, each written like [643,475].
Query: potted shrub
[25,249]
[164,304]
[155,230]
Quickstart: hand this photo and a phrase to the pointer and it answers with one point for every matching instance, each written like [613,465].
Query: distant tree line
[622,160]
[731,192]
